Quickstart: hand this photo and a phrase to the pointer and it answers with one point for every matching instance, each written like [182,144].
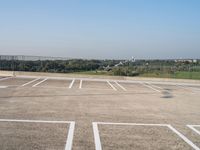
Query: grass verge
[176,75]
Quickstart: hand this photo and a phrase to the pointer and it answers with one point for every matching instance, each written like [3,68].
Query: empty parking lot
[81,113]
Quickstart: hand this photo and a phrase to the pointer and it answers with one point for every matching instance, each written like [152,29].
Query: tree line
[113,67]
[61,66]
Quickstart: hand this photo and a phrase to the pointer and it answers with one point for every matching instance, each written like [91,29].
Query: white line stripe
[150,87]
[5,78]
[96,136]
[184,138]
[195,130]
[70,136]
[3,87]
[111,86]
[30,82]
[33,121]
[12,86]
[123,88]
[80,85]
[131,124]
[40,82]
[154,86]
[71,84]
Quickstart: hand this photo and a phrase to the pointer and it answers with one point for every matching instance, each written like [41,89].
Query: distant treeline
[62,66]
[109,67]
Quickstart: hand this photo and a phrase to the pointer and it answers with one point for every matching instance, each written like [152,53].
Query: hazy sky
[101,28]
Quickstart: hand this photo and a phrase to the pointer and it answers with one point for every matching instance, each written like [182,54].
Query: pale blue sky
[101,28]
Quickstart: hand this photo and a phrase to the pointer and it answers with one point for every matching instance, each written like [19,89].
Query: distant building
[186,60]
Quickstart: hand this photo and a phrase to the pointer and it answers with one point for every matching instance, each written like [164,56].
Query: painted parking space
[12,81]
[36,134]
[52,83]
[136,87]
[97,85]
[174,88]
[139,136]
[194,133]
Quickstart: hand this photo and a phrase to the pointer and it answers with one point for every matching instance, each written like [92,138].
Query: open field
[176,75]
[89,113]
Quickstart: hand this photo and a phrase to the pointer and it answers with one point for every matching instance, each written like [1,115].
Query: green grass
[188,75]
[176,75]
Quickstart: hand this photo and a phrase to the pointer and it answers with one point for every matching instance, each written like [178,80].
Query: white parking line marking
[155,86]
[150,87]
[98,140]
[111,86]
[193,128]
[3,87]
[131,124]
[31,82]
[5,78]
[123,88]
[96,136]
[33,121]
[69,141]
[80,85]
[70,136]
[71,84]
[40,82]
[184,138]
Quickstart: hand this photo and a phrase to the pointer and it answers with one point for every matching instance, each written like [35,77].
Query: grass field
[176,75]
